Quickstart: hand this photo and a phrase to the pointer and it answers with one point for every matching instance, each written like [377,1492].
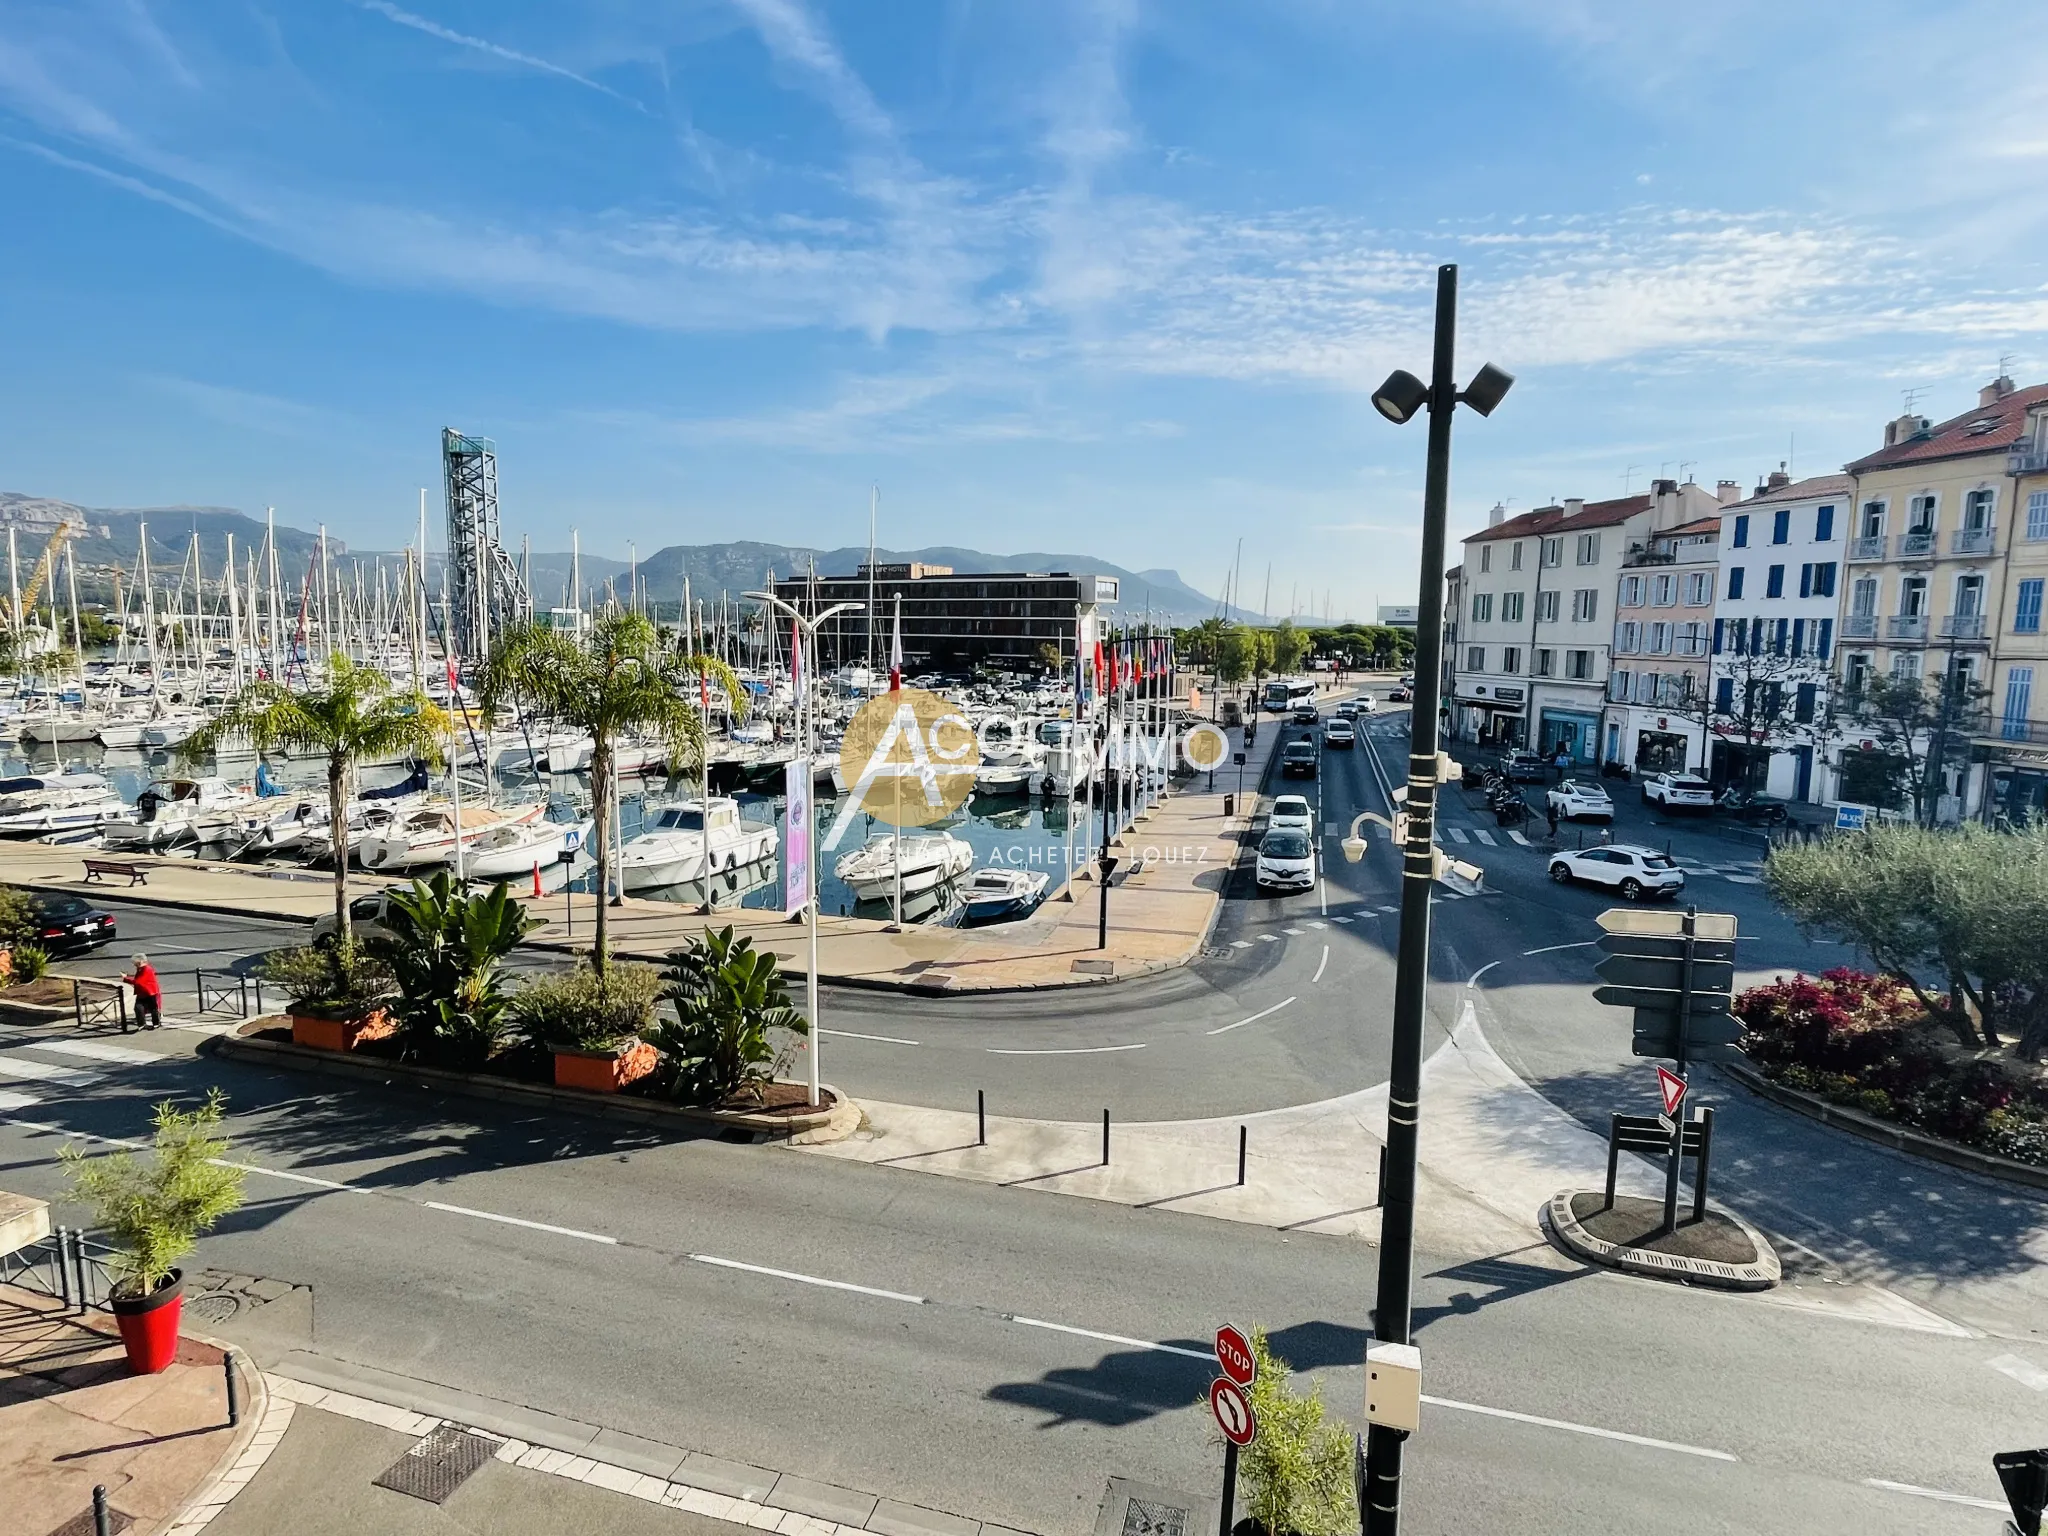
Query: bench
[136,874]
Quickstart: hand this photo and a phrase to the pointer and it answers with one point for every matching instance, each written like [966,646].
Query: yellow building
[2017,737]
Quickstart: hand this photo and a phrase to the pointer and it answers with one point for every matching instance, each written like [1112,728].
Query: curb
[264,1421]
[829,1125]
[1887,1133]
[1561,1225]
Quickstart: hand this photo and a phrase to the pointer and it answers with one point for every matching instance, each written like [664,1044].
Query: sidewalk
[71,1416]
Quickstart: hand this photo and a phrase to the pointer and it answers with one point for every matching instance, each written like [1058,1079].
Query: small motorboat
[515,849]
[928,859]
[693,840]
[37,804]
[1005,778]
[1000,895]
[426,834]
[179,810]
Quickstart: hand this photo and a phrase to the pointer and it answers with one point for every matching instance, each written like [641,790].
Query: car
[1678,791]
[1287,862]
[1346,708]
[1298,760]
[1305,713]
[1340,733]
[1633,871]
[1746,805]
[1581,800]
[1365,704]
[366,918]
[70,925]
[1291,813]
[1526,768]
[1400,693]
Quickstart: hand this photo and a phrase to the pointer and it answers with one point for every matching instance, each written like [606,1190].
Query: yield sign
[1672,1086]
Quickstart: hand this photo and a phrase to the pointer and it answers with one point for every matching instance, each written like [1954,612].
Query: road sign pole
[1229,1486]
[1684,1022]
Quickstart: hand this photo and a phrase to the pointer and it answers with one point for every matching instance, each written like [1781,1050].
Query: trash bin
[1230,805]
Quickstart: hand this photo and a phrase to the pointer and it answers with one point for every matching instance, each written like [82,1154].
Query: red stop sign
[1234,1356]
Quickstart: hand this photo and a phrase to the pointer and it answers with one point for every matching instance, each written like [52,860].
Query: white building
[1775,633]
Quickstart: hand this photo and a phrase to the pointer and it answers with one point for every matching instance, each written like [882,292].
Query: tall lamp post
[807,726]
[1398,400]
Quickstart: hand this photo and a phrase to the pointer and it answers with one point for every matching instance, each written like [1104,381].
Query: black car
[1306,714]
[1298,760]
[1399,694]
[68,924]
[1527,768]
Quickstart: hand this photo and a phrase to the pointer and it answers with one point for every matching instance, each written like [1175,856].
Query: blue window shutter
[1799,637]
[1735,581]
[1719,626]
[1742,532]
[1724,695]
[1783,627]
[1824,639]
[1823,525]
[1806,580]
[1781,525]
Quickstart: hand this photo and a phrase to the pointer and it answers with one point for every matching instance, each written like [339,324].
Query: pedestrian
[1606,835]
[149,993]
[1550,815]
[1563,763]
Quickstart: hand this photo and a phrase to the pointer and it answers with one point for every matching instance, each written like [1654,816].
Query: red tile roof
[1595,514]
[1799,490]
[1959,437]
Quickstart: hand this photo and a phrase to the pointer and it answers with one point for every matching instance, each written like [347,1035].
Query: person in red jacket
[149,993]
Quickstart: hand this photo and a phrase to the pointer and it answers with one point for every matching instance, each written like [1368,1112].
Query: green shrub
[446,953]
[1297,1476]
[18,923]
[156,1211]
[330,979]
[30,962]
[730,1000]
[585,1008]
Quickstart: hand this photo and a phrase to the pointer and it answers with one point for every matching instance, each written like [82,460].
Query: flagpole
[895,686]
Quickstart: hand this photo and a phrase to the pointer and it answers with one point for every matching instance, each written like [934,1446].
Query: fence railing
[66,1266]
[99,1002]
[227,992]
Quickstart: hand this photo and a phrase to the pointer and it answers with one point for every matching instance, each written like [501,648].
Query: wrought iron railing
[1970,541]
[1860,626]
[66,1266]
[1916,543]
[1963,626]
[1869,547]
[1906,626]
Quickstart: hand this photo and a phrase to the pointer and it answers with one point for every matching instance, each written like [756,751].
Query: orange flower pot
[343,1034]
[603,1071]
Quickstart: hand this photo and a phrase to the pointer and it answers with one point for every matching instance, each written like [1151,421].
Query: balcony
[1906,626]
[1963,626]
[1869,547]
[1640,556]
[1970,541]
[1916,544]
[2028,732]
[1860,626]
[2027,461]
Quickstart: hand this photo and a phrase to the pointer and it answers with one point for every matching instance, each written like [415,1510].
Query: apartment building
[1535,621]
[1926,573]
[1663,623]
[2016,740]
[1775,635]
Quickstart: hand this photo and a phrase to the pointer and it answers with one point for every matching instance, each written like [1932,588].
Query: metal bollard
[64,1266]
[227,1365]
[1105,1138]
[980,1117]
[78,1271]
[1243,1132]
[102,1522]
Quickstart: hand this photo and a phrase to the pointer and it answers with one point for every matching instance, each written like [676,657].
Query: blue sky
[1111,277]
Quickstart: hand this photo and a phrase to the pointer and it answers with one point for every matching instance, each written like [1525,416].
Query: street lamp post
[807,729]
[1398,400]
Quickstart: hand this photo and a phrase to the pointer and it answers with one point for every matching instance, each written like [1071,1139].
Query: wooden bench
[116,868]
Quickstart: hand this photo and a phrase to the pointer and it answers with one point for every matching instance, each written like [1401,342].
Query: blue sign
[1849,818]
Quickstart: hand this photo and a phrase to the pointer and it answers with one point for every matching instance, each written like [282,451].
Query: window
[1720,630]
[1920,513]
[1856,671]
[1824,579]
[1913,597]
[1628,636]
[1631,591]
[1781,526]
[1824,640]
[1741,539]
[1660,639]
[1664,590]
[1578,664]
[1475,658]
[1781,637]
[1724,695]
[1515,555]
[1511,658]
[1734,582]
[1511,607]
[2026,610]
[2037,515]
[1692,639]
[1823,524]
[1485,559]
[1546,663]
[1585,604]
[1589,549]
[1977,508]
[1699,589]
[1804,700]
[1863,597]
[1482,607]
[1798,638]
[1546,607]
[1806,580]
[1553,552]
[1872,525]
[1905,666]
[1618,684]
[2019,699]
[1969,602]
[1774,582]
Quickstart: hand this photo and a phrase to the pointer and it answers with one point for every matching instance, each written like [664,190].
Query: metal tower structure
[485,594]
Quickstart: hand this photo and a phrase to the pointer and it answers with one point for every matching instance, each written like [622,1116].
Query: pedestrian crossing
[37,1071]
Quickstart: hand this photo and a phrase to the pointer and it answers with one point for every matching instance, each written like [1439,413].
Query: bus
[1282,694]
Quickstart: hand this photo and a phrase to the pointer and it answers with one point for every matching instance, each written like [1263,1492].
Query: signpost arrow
[1660,999]
[1633,970]
[1658,946]
[1643,920]
[1672,1087]
[1656,1034]
[2024,1476]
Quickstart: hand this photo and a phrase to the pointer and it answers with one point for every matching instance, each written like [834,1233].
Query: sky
[1115,278]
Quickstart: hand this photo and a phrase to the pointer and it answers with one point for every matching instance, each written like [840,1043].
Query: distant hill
[113,535]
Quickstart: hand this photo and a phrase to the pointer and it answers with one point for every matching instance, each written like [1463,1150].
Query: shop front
[1577,733]
[1661,751]
[1494,715]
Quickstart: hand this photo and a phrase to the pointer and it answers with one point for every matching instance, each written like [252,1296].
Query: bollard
[980,1117]
[64,1267]
[102,1522]
[78,1268]
[1105,1138]
[227,1365]
[1242,1133]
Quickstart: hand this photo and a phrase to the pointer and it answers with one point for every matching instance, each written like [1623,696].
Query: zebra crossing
[40,1070]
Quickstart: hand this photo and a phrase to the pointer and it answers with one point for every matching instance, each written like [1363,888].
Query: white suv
[1291,813]
[1676,790]
[1287,862]
[1635,872]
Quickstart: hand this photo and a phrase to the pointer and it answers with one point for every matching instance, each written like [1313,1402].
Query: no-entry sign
[1234,1356]
[1233,1412]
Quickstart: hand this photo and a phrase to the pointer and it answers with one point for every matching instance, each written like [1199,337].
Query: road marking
[1473,979]
[2021,1370]
[303,1178]
[848,1034]
[1240,943]
[1295,931]
[1518,837]
[1933,1493]
[1319,966]
[1240,1024]
[1458,835]
[10,1099]
[23,1070]
[1071,1050]
[1581,1429]
[1486,837]
[1111,1338]
[1317,923]
[512,1221]
[1269,938]
[1549,949]
[1390,909]
[1340,919]
[95,1050]
[802,1279]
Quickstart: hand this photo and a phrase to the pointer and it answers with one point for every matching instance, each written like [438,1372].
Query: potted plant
[337,991]
[155,1212]
[446,954]
[1297,1476]
[730,1001]
[17,928]
[590,1021]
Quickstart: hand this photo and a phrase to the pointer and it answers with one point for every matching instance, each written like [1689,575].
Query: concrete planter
[603,1069]
[320,1033]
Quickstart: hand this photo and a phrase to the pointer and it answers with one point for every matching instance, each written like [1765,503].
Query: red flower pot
[149,1325]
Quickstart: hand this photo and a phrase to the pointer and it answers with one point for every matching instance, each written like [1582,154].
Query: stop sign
[1234,1356]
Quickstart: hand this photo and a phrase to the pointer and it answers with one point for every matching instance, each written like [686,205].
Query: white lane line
[11,1099]
[1933,1493]
[96,1050]
[1317,923]
[1262,1013]
[1296,932]
[1549,949]
[1113,1338]
[1486,837]
[848,1034]
[1473,979]
[1340,919]
[516,1221]
[1581,1429]
[1240,943]
[302,1178]
[2021,1370]
[1269,938]
[23,1070]
[1319,966]
[1518,837]
[803,1279]
[1458,835]
[1390,909]
[1071,1050]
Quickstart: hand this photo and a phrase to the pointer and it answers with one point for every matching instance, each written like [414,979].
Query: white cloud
[418,23]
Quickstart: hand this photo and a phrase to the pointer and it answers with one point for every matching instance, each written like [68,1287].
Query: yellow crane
[41,574]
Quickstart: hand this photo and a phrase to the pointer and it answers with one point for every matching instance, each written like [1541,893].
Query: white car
[1291,813]
[1635,872]
[1577,799]
[366,918]
[1287,862]
[1366,704]
[1340,733]
[1675,791]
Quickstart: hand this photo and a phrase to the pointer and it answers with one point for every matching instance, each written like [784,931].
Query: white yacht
[425,834]
[929,859]
[33,804]
[516,848]
[693,840]
[176,811]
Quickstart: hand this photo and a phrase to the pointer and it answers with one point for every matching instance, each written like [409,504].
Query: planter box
[604,1070]
[340,1034]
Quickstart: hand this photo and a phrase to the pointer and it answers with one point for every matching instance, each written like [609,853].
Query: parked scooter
[1746,805]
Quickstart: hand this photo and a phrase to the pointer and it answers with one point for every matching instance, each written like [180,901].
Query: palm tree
[356,714]
[619,679]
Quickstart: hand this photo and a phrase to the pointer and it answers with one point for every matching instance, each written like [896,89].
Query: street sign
[1672,1087]
[1658,947]
[1656,1034]
[1709,925]
[1233,1411]
[1669,1126]
[1665,975]
[1234,1356]
[2024,1476]
[1660,999]
[1849,818]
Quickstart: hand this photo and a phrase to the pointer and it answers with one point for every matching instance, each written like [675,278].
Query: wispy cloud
[243,409]
[405,18]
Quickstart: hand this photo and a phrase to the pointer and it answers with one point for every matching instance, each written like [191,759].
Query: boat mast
[234,615]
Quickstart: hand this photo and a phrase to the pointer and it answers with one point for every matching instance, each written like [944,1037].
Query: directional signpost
[2024,1476]
[1230,1400]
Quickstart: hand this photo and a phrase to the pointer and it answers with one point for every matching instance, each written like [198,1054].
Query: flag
[1098,664]
[1114,647]
[704,691]
[454,673]
[796,655]
[896,648]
